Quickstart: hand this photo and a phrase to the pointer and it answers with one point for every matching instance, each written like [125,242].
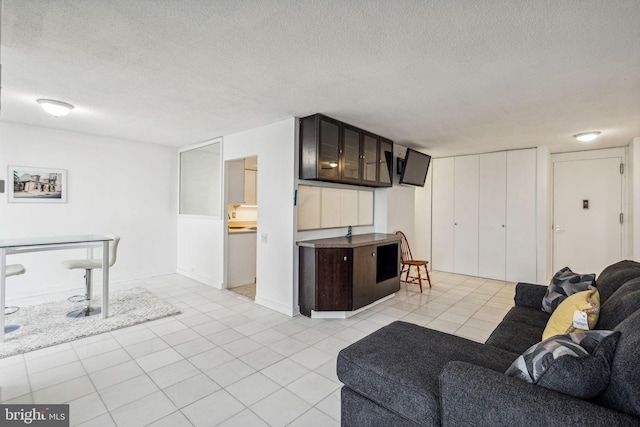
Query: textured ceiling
[448,76]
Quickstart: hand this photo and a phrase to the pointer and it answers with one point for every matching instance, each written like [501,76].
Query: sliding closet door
[492,215]
[521,216]
[465,225]
[442,214]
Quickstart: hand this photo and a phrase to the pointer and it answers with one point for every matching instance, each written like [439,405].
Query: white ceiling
[448,76]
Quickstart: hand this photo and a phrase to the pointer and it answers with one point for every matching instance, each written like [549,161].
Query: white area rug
[47,324]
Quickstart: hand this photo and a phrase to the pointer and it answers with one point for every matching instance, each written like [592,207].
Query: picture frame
[28,184]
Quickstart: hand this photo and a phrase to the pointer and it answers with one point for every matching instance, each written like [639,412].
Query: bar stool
[12,270]
[88,265]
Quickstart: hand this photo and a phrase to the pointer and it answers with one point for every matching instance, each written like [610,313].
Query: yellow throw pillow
[561,321]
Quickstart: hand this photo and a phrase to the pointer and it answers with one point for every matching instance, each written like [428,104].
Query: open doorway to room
[242,225]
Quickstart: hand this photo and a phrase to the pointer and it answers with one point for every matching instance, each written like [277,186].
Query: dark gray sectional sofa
[407,375]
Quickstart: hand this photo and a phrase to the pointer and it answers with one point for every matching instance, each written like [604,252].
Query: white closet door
[492,215]
[442,214]
[465,236]
[521,216]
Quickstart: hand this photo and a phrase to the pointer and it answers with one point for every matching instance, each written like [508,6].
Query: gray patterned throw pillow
[565,283]
[577,364]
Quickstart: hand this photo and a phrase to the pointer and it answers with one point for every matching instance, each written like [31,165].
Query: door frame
[620,152]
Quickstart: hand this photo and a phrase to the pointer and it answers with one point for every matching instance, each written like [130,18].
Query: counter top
[351,242]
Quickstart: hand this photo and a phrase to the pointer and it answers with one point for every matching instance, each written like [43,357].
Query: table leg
[3,287]
[105,279]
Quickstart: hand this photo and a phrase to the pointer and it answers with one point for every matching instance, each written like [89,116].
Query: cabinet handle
[373,254]
[345,258]
[502,225]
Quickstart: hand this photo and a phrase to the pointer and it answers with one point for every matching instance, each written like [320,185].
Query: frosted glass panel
[327,207]
[200,183]
[308,208]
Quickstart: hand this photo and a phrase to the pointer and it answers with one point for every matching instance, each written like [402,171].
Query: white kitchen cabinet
[442,214]
[492,215]
[235,177]
[465,208]
[250,187]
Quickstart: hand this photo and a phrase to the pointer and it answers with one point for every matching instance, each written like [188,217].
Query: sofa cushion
[564,284]
[623,392]
[398,367]
[561,321]
[624,302]
[615,276]
[528,316]
[577,364]
[515,337]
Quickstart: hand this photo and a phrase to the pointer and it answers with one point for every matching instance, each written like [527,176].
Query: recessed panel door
[587,204]
[442,214]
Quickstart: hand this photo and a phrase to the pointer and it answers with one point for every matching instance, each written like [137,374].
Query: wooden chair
[407,261]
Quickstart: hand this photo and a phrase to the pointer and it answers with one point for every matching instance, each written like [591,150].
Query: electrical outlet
[264,238]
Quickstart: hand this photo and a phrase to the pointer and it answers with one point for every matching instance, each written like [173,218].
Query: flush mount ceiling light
[55,108]
[587,136]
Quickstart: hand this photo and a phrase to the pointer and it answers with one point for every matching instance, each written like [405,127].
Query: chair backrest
[113,249]
[405,250]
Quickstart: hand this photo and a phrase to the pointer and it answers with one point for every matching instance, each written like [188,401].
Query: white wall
[274,145]
[114,187]
[544,214]
[633,219]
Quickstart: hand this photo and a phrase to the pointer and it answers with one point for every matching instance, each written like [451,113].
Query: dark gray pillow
[577,364]
[563,284]
[623,303]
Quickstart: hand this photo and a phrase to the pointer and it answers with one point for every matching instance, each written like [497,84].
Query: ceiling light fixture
[55,108]
[587,136]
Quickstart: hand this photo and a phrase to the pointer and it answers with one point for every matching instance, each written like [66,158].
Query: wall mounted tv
[416,165]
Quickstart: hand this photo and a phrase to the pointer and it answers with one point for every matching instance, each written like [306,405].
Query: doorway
[587,211]
[242,226]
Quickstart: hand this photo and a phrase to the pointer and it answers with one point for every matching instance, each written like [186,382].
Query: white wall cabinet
[484,215]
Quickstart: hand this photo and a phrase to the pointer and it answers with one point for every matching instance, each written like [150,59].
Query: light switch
[264,238]
[585,204]
[1,186]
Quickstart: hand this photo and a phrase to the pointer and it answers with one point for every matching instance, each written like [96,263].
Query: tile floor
[246,290]
[226,361]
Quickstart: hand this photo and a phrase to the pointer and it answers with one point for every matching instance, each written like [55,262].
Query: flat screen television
[414,170]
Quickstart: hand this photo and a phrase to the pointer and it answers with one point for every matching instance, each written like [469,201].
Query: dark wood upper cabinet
[334,151]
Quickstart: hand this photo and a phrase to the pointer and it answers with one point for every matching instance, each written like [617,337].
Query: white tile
[115,374]
[103,420]
[280,408]
[86,408]
[56,375]
[144,348]
[50,361]
[288,346]
[312,387]
[127,391]
[328,370]
[177,419]
[193,347]
[331,405]
[314,418]
[143,411]
[224,336]
[159,359]
[311,357]
[284,371]
[230,372]
[11,388]
[181,336]
[173,373]
[202,413]
[135,337]
[190,390]
[252,388]
[65,392]
[242,346]
[310,336]
[210,359]
[268,336]
[105,360]
[245,418]
[90,349]
[261,358]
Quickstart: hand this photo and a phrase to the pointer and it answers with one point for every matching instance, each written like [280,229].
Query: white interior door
[587,203]
[465,237]
[492,215]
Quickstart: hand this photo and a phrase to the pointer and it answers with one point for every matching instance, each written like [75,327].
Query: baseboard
[276,306]
[198,278]
[346,314]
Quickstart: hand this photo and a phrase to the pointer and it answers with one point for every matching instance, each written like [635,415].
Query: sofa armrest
[530,295]
[471,395]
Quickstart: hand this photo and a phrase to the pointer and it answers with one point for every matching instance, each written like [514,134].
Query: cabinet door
[351,138]
[385,170]
[369,158]
[465,236]
[329,147]
[364,276]
[491,215]
[235,178]
[521,216]
[334,279]
[442,214]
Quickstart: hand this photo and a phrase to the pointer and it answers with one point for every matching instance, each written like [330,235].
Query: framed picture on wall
[37,185]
